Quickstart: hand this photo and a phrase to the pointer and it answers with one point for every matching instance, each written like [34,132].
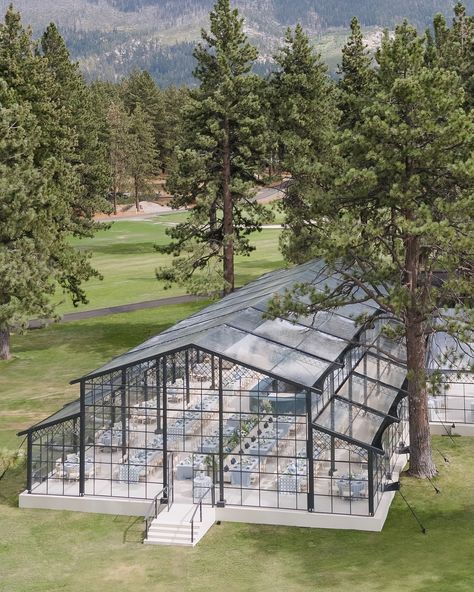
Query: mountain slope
[111,37]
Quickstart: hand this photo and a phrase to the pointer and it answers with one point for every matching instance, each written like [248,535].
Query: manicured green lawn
[52,551]
[124,254]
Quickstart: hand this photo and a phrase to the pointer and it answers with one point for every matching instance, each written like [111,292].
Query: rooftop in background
[449,354]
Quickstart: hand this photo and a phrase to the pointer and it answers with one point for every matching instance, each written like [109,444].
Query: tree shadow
[12,483]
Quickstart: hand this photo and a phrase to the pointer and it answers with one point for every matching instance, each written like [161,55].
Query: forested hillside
[112,37]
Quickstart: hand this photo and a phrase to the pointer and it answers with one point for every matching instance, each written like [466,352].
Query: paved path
[266,195]
[102,312]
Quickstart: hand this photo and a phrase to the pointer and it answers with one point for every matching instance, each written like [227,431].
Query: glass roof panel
[350,420]
[300,368]
[248,320]
[220,338]
[369,393]
[382,370]
[257,352]
[69,411]
[352,311]
[331,323]
[392,348]
[322,345]
[283,332]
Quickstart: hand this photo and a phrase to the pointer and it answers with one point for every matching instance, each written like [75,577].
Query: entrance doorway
[193,477]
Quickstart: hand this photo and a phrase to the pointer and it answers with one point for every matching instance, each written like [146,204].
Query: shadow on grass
[123,249]
[134,531]
[107,337]
[12,484]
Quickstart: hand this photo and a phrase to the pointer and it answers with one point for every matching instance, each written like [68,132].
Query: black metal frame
[272,470]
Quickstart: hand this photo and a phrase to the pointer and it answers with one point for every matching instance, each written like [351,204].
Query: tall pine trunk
[137,202]
[4,344]
[421,458]
[114,194]
[228,222]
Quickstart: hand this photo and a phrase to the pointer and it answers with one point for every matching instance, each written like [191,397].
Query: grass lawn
[124,254]
[51,551]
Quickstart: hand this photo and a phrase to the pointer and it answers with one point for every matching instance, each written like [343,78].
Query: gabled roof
[235,328]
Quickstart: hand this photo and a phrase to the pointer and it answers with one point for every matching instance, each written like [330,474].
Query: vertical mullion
[165,424]
[29,456]
[159,397]
[123,411]
[309,453]
[370,467]
[186,374]
[82,439]
[221,436]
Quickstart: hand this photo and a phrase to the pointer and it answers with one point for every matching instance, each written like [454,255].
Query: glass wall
[453,399]
[211,428]
[123,439]
[54,459]
[341,476]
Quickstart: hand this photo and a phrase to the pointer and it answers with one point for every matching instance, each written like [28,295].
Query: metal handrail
[199,506]
[152,511]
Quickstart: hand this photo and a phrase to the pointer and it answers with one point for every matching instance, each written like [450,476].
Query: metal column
[123,411]
[158,396]
[165,424]
[370,467]
[310,451]
[82,439]
[29,460]
[221,501]
[187,370]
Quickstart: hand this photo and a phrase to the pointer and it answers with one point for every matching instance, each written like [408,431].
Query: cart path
[110,310]
[263,196]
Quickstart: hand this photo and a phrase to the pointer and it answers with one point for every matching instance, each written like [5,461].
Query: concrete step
[174,528]
[170,542]
[169,528]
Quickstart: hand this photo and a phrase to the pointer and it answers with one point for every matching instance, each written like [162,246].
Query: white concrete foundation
[253,515]
[272,516]
[128,507]
[94,505]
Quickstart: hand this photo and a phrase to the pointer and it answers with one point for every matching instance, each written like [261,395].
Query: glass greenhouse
[305,415]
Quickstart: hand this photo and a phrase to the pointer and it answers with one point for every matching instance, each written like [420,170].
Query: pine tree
[118,139]
[453,47]
[175,103]
[38,187]
[140,90]
[409,164]
[218,161]
[23,261]
[356,85]
[305,117]
[79,113]
[142,154]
